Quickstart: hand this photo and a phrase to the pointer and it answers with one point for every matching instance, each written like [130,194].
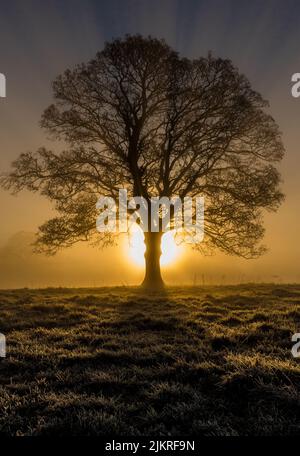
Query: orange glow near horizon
[136,248]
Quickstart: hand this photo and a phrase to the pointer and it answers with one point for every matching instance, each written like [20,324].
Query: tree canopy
[141,117]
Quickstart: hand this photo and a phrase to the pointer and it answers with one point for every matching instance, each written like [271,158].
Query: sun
[136,247]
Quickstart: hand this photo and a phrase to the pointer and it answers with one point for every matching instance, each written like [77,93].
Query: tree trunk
[153,279]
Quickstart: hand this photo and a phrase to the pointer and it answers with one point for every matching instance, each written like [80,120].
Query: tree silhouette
[140,117]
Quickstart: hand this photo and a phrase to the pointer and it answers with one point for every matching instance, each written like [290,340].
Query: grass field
[206,361]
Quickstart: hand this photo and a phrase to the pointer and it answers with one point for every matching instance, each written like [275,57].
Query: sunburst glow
[136,250]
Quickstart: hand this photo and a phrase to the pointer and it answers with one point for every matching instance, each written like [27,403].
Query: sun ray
[136,247]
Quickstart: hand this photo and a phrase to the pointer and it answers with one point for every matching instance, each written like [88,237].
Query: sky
[39,40]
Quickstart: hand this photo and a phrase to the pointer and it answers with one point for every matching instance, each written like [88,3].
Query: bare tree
[140,117]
